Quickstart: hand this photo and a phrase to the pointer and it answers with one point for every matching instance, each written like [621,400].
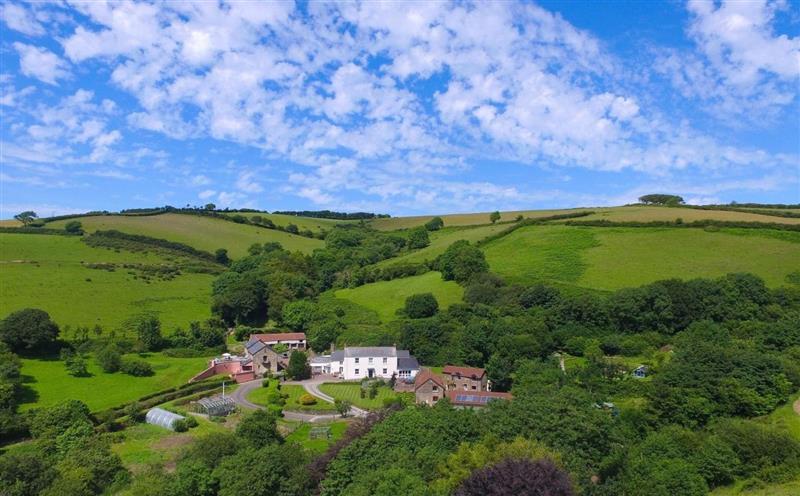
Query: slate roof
[337,356]
[408,363]
[371,351]
[254,346]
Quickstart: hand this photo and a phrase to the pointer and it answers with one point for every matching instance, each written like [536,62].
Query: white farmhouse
[355,363]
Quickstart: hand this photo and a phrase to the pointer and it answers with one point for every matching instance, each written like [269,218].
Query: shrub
[421,305]
[191,422]
[136,367]
[73,227]
[109,359]
[307,400]
[180,425]
[434,224]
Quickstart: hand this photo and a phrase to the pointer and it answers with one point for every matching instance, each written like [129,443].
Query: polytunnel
[163,418]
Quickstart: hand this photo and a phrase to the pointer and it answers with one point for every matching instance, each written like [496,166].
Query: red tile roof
[473,398]
[426,375]
[469,372]
[281,336]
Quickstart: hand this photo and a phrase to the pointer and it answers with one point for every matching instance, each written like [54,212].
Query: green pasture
[47,272]
[613,258]
[203,233]
[144,445]
[629,213]
[350,391]
[47,381]
[259,397]
[311,223]
[386,297]
[443,238]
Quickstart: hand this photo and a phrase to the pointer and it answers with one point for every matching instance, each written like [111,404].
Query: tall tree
[26,217]
[28,330]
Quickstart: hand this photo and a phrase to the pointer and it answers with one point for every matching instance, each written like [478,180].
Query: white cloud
[200,180]
[206,194]
[41,63]
[246,182]
[21,19]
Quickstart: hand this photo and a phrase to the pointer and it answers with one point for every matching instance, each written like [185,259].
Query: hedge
[693,224]
[37,230]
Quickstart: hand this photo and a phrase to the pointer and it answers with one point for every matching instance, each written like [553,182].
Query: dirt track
[797,407]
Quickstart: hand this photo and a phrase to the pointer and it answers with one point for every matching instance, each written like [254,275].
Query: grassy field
[632,213]
[386,297]
[143,445]
[47,272]
[311,223]
[612,258]
[440,240]
[259,397]
[203,233]
[351,392]
[47,382]
[301,435]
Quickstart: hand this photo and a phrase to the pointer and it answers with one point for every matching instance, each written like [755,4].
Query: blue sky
[400,108]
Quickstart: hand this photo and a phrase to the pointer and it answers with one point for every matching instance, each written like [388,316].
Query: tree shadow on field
[26,393]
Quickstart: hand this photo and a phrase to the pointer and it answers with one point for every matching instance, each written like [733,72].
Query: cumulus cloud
[19,18]
[41,63]
[394,104]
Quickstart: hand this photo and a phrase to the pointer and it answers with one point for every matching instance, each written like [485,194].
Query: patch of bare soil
[797,407]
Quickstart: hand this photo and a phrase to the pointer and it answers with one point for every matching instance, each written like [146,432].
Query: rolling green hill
[440,240]
[51,273]
[313,224]
[386,297]
[632,213]
[203,233]
[612,258]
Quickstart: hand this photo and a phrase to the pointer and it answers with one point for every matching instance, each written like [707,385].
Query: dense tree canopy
[29,331]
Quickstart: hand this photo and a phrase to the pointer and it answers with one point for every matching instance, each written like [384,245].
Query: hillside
[627,213]
[613,258]
[313,224]
[204,233]
[52,273]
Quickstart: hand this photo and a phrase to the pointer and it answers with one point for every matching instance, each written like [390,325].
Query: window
[370,360]
[435,399]
[435,387]
[356,371]
[385,360]
[385,371]
[356,359]
[474,387]
[465,387]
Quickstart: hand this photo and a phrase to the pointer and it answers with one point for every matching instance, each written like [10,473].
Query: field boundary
[697,224]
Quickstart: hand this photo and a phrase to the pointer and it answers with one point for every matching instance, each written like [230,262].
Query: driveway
[312,386]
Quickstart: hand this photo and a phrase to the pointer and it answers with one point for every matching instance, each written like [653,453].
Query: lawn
[47,272]
[203,233]
[386,297]
[143,445]
[443,238]
[47,381]
[259,397]
[301,435]
[613,258]
[350,391]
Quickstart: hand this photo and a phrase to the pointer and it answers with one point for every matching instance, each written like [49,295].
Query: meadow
[203,233]
[613,258]
[143,445]
[48,272]
[441,239]
[386,297]
[301,435]
[313,224]
[47,381]
[351,392]
[628,213]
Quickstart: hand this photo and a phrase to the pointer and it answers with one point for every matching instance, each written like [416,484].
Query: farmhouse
[429,388]
[465,378]
[465,387]
[355,363]
[266,353]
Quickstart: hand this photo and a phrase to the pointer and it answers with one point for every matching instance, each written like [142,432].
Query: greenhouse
[163,418]
[217,406]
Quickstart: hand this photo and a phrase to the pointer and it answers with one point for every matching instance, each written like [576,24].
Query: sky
[399,107]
